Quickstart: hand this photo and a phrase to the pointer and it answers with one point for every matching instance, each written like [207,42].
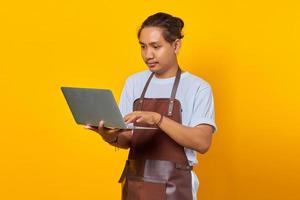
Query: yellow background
[247,50]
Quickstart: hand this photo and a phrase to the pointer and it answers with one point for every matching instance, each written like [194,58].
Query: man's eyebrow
[151,43]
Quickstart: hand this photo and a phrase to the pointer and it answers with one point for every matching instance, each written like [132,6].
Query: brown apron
[157,167]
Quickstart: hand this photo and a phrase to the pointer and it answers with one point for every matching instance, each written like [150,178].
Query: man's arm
[123,140]
[115,137]
[197,138]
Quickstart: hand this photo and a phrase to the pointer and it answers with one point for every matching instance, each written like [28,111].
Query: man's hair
[171,26]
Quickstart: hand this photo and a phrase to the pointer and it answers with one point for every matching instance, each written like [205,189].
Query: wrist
[113,141]
[159,118]
[155,117]
[109,137]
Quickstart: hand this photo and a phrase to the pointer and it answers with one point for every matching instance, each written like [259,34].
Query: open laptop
[89,106]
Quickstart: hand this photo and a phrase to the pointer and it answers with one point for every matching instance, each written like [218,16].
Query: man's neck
[171,72]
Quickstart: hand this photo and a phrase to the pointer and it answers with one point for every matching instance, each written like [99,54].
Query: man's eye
[143,47]
[156,47]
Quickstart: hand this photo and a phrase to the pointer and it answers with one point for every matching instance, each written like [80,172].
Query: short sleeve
[126,99]
[203,108]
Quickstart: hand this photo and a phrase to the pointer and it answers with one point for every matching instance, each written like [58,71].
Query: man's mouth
[152,64]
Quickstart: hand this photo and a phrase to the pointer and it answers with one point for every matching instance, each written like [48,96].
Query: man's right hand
[108,134]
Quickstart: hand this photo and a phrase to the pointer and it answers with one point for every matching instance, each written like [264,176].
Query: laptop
[89,106]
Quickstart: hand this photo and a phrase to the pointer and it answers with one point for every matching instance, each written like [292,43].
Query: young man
[179,104]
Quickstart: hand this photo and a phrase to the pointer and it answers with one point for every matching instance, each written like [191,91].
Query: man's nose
[149,54]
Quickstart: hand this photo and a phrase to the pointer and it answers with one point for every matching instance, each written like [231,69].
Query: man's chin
[154,69]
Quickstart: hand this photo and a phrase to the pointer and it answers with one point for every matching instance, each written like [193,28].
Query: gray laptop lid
[89,106]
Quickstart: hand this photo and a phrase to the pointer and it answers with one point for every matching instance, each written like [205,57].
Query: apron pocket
[142,190]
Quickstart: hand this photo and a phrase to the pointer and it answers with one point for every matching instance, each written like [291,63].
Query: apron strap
[146,86]
[173,94]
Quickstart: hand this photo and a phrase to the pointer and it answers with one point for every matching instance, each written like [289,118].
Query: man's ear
[177,45]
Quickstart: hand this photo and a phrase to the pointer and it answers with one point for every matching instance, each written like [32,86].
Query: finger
[127,117]
[90,128]
[114,130]
[132,114]
[101,126]
[87,126]
[133,119]
[130,119]
[140,119]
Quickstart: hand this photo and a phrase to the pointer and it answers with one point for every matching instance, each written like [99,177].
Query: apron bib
[157,167]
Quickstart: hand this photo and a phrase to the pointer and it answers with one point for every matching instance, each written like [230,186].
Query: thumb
[101,126]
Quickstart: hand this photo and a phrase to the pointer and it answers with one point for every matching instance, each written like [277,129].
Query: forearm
[196,138]
[120,140]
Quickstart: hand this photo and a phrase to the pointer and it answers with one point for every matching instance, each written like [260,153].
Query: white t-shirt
[194,94]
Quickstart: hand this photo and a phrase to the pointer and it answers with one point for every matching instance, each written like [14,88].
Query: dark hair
[171,25]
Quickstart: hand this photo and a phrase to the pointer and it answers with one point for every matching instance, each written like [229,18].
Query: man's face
[158,54]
